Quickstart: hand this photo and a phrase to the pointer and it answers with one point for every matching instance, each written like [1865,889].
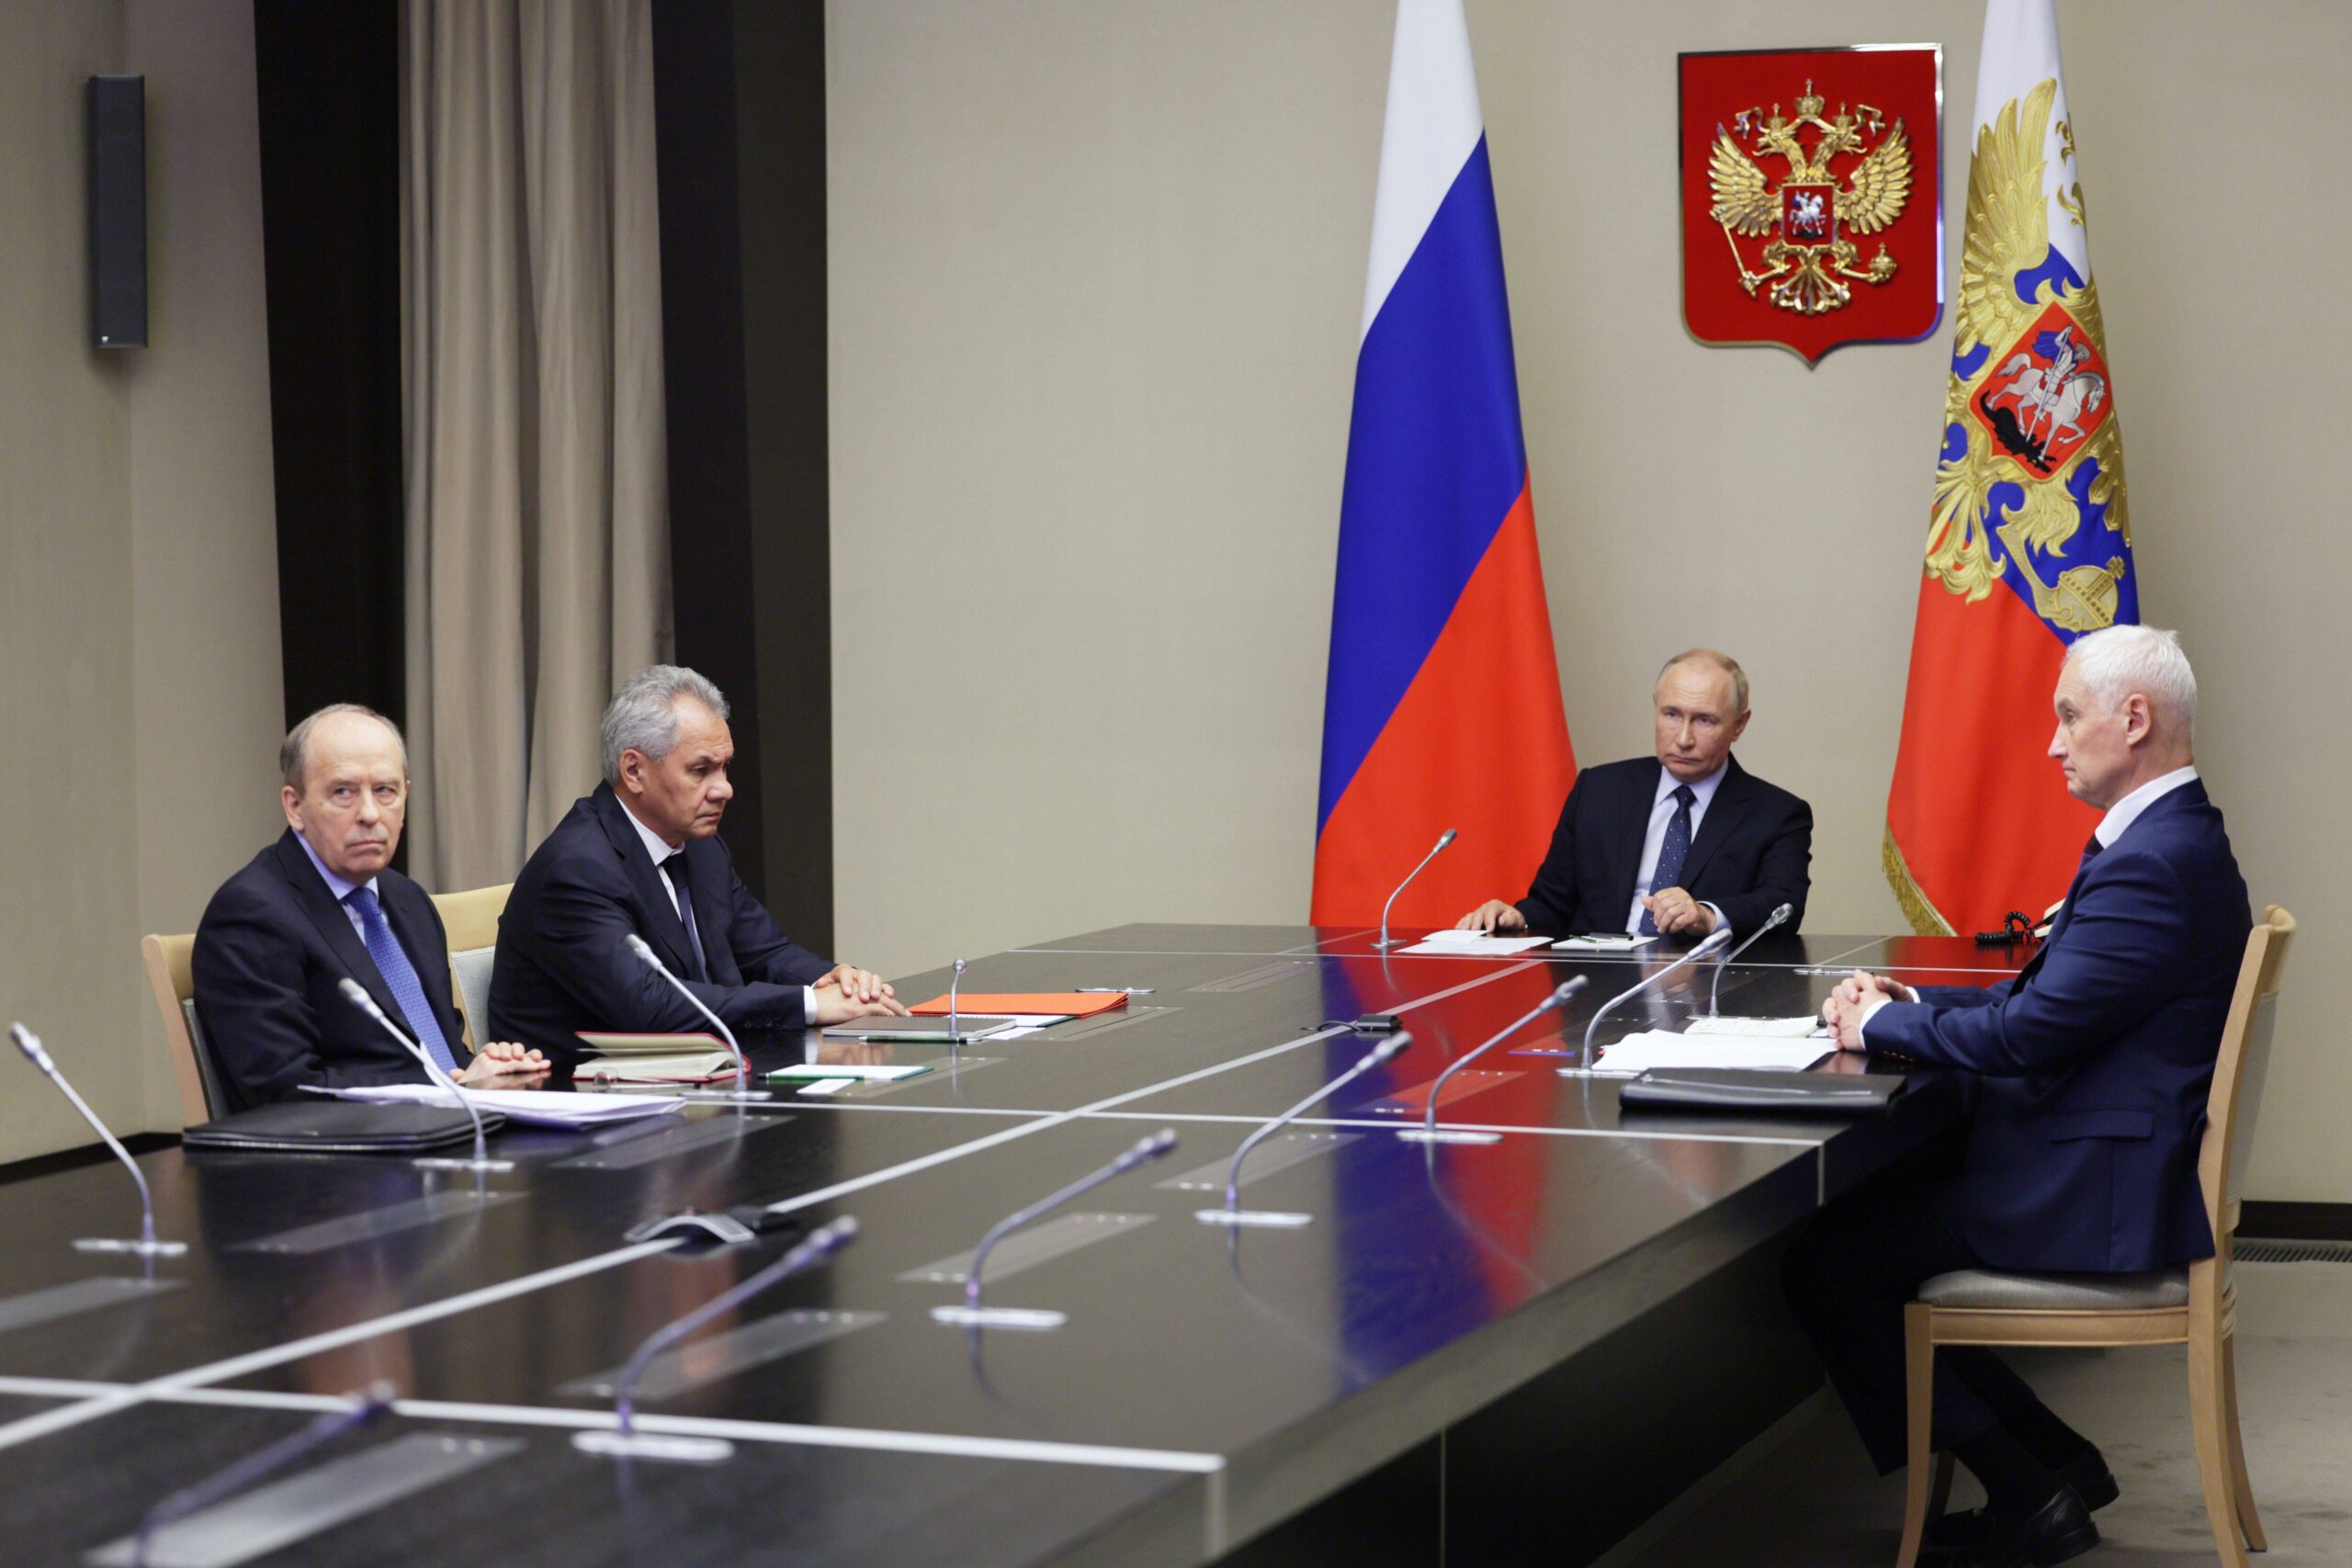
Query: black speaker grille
[117,128]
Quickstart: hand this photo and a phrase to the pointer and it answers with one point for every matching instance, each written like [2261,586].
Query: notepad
[1656,1048]
[1475,944]
[611,1044]
[1776,1028]
[535,1107]
[1601,944]
[1065,1004]
[696,1066]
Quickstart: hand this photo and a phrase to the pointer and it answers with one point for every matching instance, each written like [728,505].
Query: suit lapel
[710,872]
[318,902]
[1632,825]
[1731,803]
[657,915]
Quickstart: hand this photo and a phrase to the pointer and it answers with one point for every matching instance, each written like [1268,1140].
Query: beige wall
[140,627]
[1096,269]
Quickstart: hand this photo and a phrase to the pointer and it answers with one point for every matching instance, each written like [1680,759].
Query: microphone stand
[625,1441]
[971,1314]
[333,1424]
[743,1090]
[1716,941]
[1427,1133]
[955,1028]
[1383,944]
[1777,917]
[356,994]
[1233,1214]
[146,1245]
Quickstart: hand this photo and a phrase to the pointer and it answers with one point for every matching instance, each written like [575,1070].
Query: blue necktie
[392,962]
[1672,852]
[676,866]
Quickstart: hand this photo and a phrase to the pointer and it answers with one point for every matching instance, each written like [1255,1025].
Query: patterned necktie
[676,866]
[1672,852]
[392,962]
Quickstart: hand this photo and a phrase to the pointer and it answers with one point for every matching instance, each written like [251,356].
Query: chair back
[203,1093]
[2235,1102]
[470,920]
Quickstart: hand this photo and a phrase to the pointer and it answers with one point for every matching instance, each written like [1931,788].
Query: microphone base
[1268,1219]
[1596,1073]
[138,1248]
[654,1446]
[1029,1318]
[1445,1135]
[440,1162]
[1390,944]
[1547,1051]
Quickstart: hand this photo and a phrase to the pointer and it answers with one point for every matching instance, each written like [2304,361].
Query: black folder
[340,1127]
[1733,1088]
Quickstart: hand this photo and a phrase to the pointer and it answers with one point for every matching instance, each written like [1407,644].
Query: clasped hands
[1858,995]
[844,992]
[1672,910]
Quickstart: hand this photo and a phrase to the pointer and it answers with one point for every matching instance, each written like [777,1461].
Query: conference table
[1513,1350]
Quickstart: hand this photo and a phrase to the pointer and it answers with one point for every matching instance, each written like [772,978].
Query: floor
[1814,1500]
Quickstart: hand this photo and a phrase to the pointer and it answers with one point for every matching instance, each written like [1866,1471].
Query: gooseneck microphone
[1779,917]
[626,1440]
[971,1313]
[1716,941]
[365,1408]
[955,1029]
[146,1245]
[356,995]
[1383,944]
[639,945]
[1233,1214]
[1427,1131]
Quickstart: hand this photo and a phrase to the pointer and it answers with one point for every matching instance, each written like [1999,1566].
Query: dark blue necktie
[1672,852]
[676,866]
[392,962]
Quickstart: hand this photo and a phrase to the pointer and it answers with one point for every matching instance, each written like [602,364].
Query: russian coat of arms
[1817,204]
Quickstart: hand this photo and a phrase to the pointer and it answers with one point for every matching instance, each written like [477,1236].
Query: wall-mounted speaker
[117,127]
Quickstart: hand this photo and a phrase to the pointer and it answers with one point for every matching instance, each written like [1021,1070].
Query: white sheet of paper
[1773,1028]
[1601,944]
[1480,944]
[1657,1048]
[536,1107]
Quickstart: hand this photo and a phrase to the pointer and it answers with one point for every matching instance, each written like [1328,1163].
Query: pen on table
[1114,990]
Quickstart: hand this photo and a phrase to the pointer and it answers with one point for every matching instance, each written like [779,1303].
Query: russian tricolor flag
[1442,703]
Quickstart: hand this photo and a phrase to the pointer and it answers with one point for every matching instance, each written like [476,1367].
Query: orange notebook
[1072,1004]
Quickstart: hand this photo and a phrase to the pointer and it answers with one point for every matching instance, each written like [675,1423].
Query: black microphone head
[1719,937]
[1448,836]
[1782,913]
[959,966]
[1566,989]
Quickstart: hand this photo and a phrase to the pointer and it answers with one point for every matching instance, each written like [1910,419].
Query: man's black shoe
[2088,1475]
[2059,1529]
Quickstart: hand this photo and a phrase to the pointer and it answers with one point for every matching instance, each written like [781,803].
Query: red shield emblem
[2046,396]
[1812,213]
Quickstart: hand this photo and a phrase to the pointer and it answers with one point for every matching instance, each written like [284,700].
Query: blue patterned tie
[392,962]
[1672,852]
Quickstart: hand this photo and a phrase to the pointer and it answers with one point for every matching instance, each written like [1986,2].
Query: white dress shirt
[1654,840]
[661,853]
[343,889]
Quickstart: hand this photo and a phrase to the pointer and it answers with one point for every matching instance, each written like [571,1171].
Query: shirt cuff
[808,1006]
[1721,923]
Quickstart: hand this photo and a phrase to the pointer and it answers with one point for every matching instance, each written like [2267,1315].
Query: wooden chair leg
[1919,1403]
[2207,1412]
[2248,1520]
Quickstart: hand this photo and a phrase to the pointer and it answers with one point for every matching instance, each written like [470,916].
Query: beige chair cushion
[472,969]
[1996,1292]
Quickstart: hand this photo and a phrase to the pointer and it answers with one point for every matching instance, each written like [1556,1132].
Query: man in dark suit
[1677,844]
[320,905]
[641,856]
[2093,1064]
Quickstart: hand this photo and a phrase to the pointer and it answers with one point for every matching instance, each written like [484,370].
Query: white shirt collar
[2125,812]
[340,887]
[652,840]
[1704,789]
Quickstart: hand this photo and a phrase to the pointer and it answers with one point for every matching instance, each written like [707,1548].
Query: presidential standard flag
[1441,707]
[2029,545]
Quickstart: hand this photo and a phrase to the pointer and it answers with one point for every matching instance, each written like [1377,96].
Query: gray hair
[641,717]
[1722,661]
[292,752]
[2116,662]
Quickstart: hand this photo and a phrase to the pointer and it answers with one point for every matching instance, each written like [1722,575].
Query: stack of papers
[535,1107]
[1481,944]
[1601,944]
[700,1066]
[1756,1028]
[1657,1048]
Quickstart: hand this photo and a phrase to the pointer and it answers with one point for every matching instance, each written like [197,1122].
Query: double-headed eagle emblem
[1809,216]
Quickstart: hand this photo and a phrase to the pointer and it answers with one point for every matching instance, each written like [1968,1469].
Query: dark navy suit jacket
[2097,1057]
[269,954]
[1753,853]
[562,964]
